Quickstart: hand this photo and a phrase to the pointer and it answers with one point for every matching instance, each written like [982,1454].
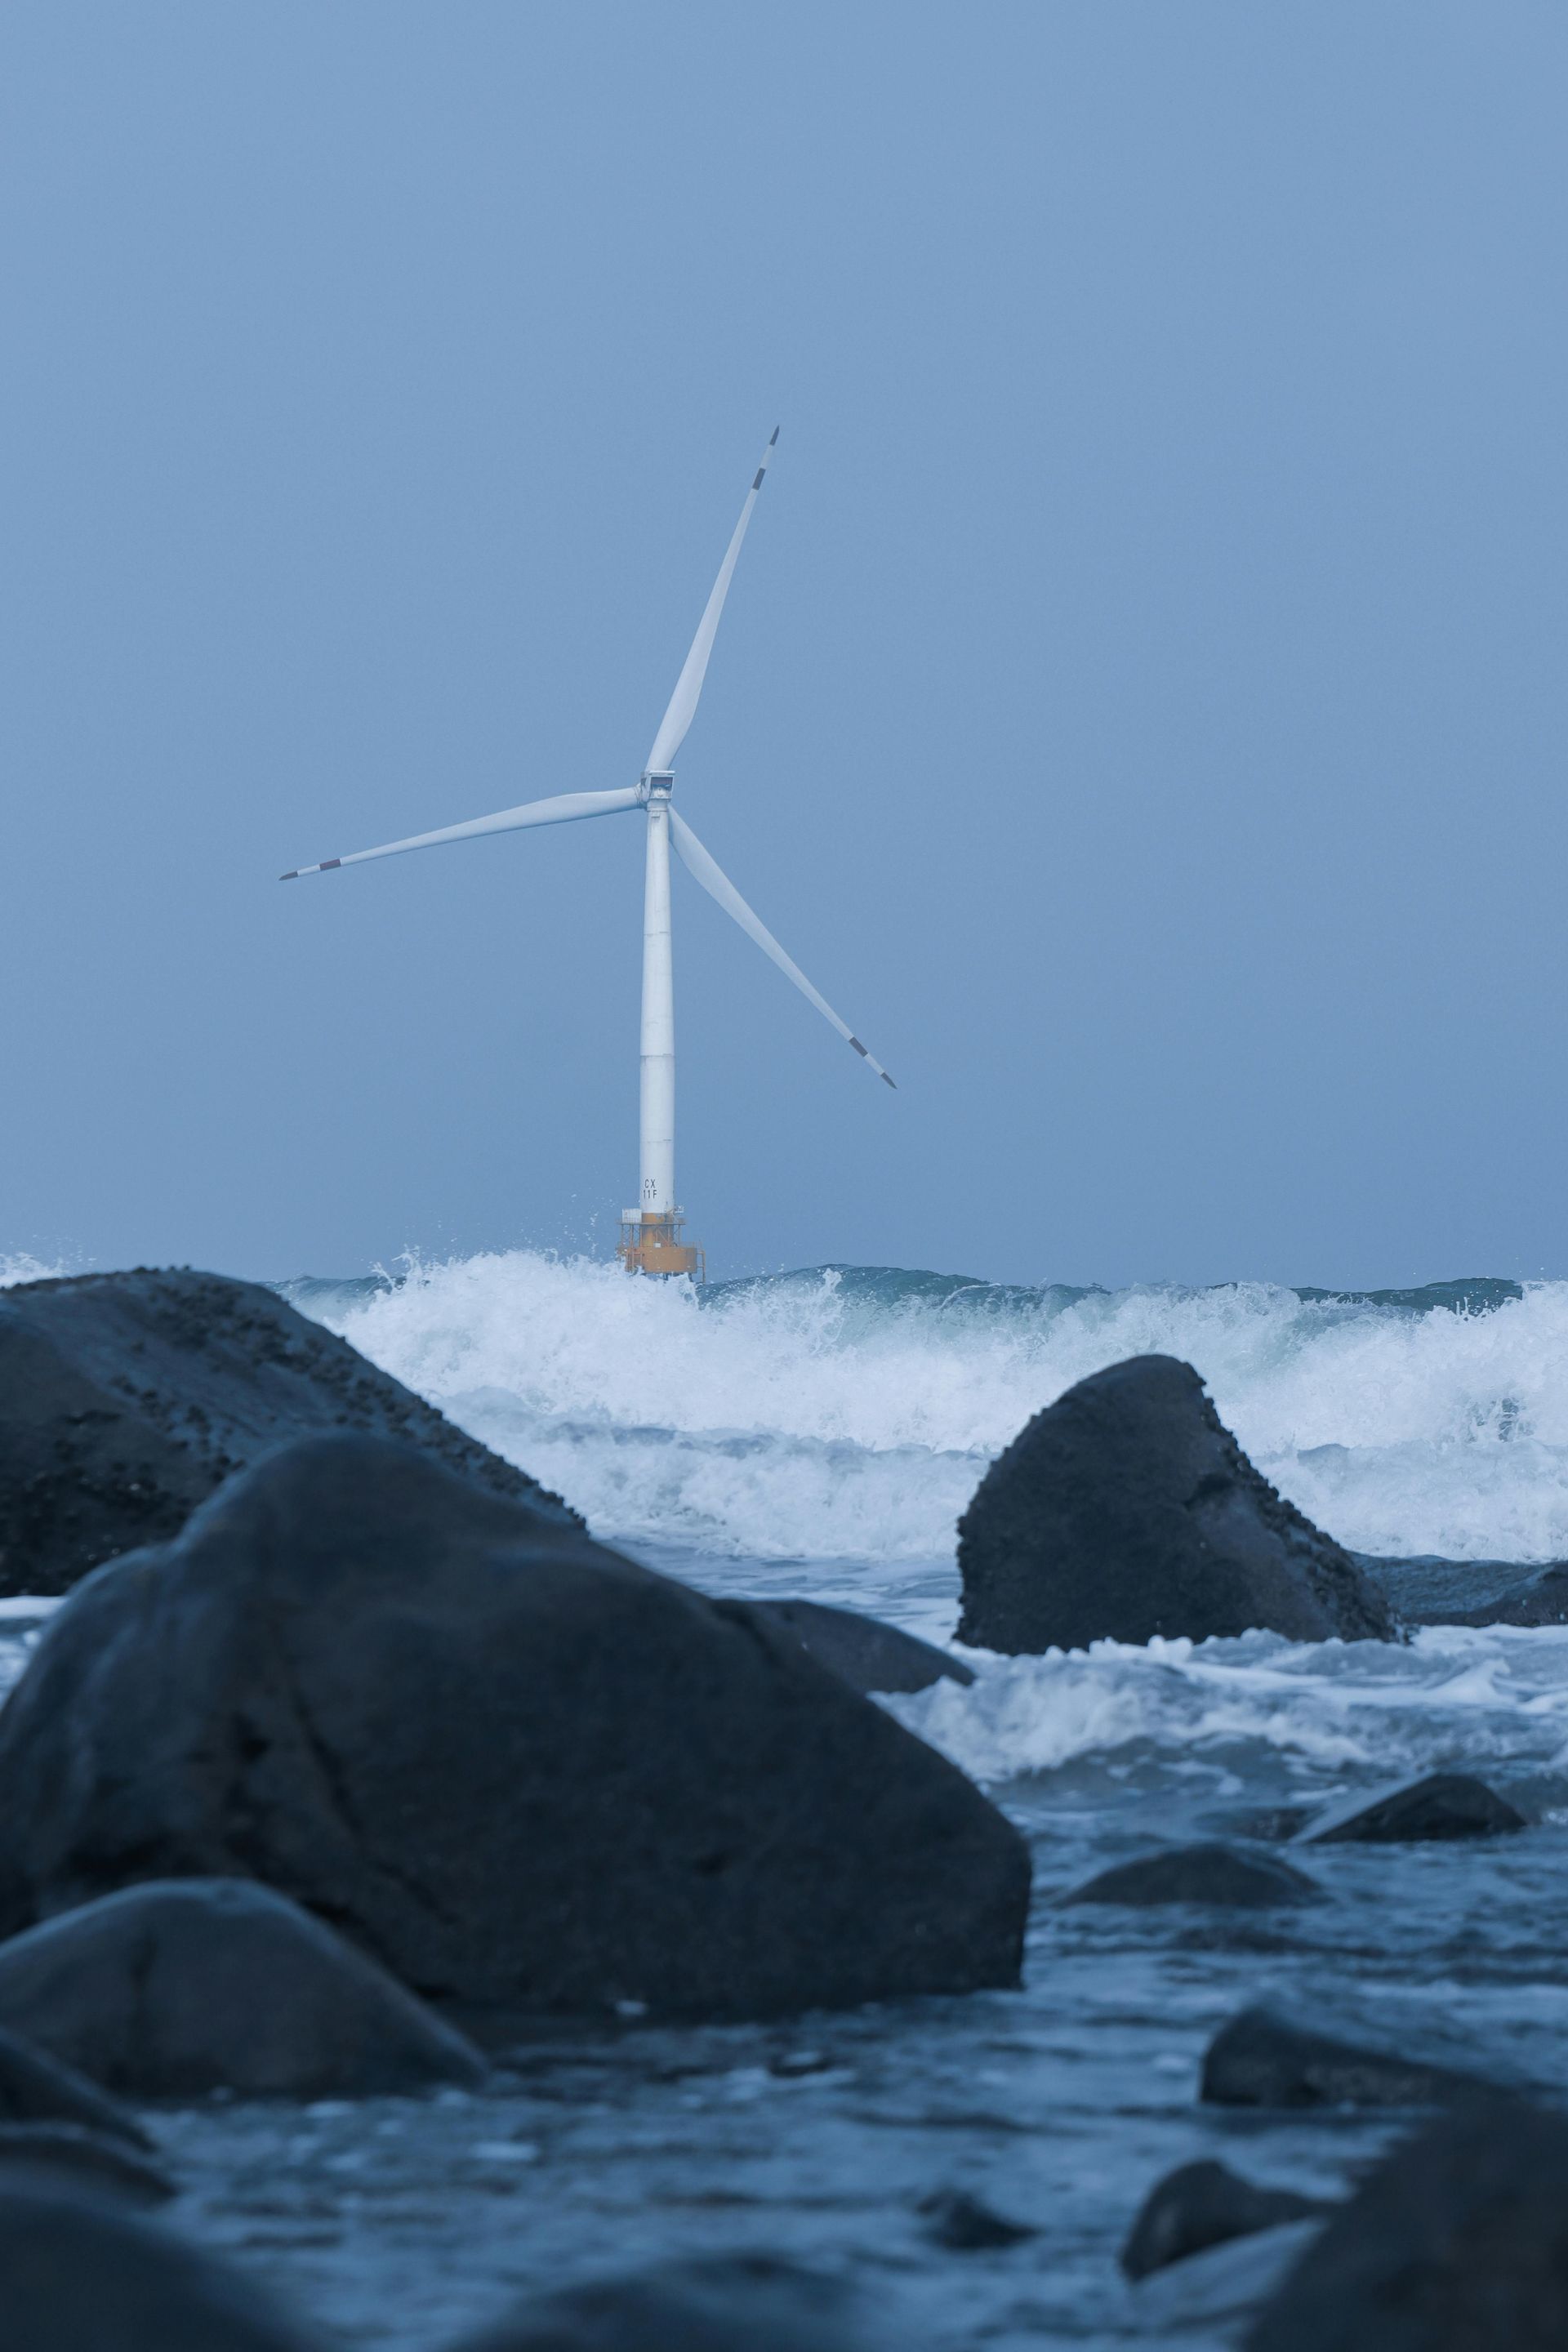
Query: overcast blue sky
[1140,708]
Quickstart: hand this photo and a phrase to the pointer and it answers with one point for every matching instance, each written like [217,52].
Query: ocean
[818,1433]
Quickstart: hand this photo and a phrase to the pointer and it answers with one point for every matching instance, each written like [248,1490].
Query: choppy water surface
[818,1435]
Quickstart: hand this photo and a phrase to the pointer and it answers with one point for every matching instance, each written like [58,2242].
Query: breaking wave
[846,1414]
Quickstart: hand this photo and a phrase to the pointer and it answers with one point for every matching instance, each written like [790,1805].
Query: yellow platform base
[652,1246]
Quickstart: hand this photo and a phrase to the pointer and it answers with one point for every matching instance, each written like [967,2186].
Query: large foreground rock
[1126,1509]
[184,1987]
[78,2273]
[125,1399]
[519,1772]
[1458,2244]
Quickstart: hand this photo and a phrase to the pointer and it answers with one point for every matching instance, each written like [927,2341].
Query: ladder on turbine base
[652,1245]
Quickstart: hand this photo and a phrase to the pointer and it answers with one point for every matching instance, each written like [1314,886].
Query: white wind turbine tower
[650,1234]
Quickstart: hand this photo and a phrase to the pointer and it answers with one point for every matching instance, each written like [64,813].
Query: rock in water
[125,1399]
[187,1986]
[1442,1805]
[1458,2244]
[862,1651]
[1199,1873]
[1205,2204]
[82,2275]
[1262,2059]
[519,1772]
[36,2089]
[70,2153]
[726,2303]
[1127,1509]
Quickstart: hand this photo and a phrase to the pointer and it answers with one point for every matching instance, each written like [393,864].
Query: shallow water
[848,1424]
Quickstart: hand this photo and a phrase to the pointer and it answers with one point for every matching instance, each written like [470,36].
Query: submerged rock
[1205,2204]
[125,1399]
[727,2303]
[1262,2059]
[1427,1590]
[521,1773]
[1458,2244]
[966,2225]
[1438,1806]
[187,1986]
[862,1651]
[38,2089]
[1126,1510]
[1200,1874]
[70,2152]
[81,2274]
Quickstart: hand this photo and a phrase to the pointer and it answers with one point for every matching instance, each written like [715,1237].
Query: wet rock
[125,1399]
[1127,1510]
[862,1651]
[1439,1806]
[1205,2204]
[1200,1874]
[1458,2242]
[1262,2059]
[70,2153]
[184,1987]
[967,2225]
[735,2303]
[1426,1591]
[81,2275]
[1212,2296]
[522,1773]
[37,2089]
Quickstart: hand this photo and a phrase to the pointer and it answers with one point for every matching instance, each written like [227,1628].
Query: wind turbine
[650,1234]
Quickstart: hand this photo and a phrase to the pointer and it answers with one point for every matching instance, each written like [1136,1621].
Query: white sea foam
[1332,1713]
[848,1414]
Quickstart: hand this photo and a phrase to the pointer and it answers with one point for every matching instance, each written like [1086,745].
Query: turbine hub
[655,784]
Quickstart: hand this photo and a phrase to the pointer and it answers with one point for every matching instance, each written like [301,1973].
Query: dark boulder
[38,2089]
[522,1773]
[965,2224]
[862,1651]
[125,1399]
[1427,1590]
[1263,2060]
[1200,1874]
[1458,2242]
[725,2304]
[1126,1510]
[70,2153]
[1441,1805]
[172,1989]
[1205,2204]
[78,2273]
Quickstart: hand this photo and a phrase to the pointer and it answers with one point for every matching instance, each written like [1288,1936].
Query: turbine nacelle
[655,784]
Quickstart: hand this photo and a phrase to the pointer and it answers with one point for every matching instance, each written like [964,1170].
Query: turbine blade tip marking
[758,483]
[772,436]
[292,875]
[859,1048]
[886,1081]
[327,864]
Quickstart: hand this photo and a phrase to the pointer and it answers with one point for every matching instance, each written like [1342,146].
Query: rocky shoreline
[356,1783]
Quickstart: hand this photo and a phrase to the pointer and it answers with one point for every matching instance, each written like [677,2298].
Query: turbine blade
[700,867]
[562,809]
[689,685]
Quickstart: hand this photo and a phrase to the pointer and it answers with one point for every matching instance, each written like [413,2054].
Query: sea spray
[847,1414]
